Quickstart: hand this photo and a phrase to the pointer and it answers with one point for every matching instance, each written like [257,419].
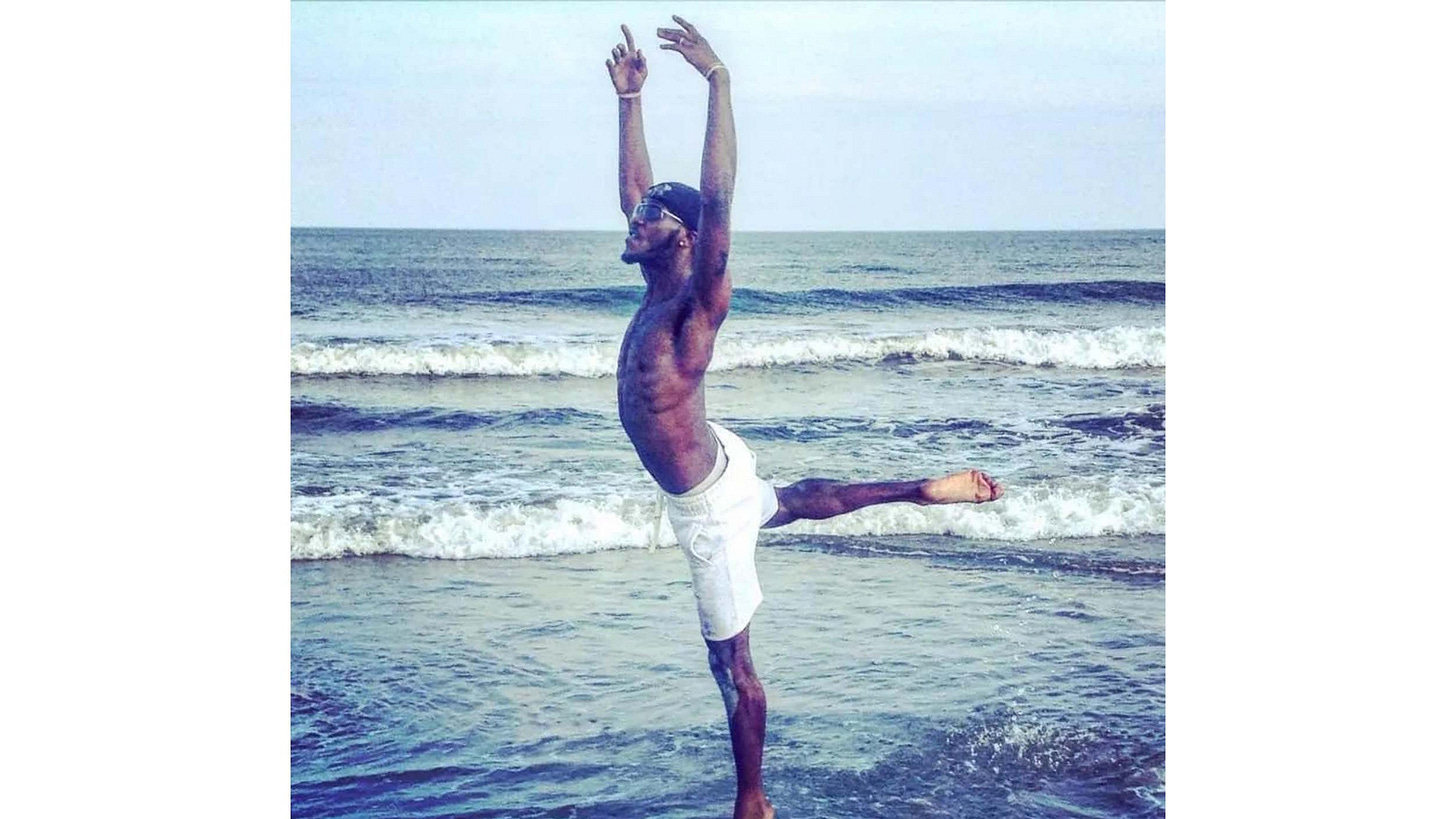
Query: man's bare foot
[753,807]
[971,486]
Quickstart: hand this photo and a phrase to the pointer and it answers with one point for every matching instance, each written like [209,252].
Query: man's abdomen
[670,434]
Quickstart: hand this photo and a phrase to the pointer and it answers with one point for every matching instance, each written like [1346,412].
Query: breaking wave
[1107,348]
[460,530]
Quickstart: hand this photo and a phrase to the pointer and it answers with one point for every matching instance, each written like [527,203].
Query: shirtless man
[715,501]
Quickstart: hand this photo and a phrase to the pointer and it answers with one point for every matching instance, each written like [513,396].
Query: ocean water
[481,626]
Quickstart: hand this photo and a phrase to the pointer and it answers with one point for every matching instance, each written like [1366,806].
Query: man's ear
[688,238]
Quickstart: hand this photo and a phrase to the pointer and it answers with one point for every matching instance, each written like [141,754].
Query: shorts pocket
[701,547]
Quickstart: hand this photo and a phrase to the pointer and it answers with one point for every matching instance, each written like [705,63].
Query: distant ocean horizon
[736,231]
[482,626]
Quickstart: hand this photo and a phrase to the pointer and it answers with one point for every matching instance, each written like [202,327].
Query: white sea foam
[460,531]
[1019,740]
[1107,348]
[1068,508]
[484,358]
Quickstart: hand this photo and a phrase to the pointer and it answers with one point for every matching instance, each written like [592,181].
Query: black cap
[683,200]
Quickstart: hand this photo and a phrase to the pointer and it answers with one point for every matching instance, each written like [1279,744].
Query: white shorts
[717,527]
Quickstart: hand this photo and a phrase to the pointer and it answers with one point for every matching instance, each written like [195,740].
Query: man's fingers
[671,34]
[627,32]
[641,60]
[672,47]
[685,24]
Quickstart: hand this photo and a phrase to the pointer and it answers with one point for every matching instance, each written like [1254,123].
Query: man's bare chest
[648,369]
[647,346]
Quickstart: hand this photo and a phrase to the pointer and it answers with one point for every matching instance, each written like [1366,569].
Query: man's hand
[689,43]
[627,68]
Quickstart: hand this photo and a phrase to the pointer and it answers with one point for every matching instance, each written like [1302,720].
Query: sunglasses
[651,212]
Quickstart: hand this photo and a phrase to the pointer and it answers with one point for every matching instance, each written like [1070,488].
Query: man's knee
[733,669]
[811,499]
[749,689]
[738,685]
[786,504]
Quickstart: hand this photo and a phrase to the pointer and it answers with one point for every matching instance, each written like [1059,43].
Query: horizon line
[741,230]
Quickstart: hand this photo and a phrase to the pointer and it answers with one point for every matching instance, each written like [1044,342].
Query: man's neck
[663,282]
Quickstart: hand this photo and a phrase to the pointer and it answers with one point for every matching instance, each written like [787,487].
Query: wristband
[714,67]
[629,95]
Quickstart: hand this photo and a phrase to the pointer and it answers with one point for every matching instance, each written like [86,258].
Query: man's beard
[651,253]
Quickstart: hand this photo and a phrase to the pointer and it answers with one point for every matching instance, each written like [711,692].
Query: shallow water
[919,680]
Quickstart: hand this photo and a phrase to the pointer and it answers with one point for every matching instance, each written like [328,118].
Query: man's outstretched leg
[747,714]
[817,499]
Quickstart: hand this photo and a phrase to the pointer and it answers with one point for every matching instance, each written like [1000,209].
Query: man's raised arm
[628,70]
[710,280]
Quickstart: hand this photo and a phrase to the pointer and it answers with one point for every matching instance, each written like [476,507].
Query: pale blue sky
[850,116]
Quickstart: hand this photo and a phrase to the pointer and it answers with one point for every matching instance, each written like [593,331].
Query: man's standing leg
[747,708]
